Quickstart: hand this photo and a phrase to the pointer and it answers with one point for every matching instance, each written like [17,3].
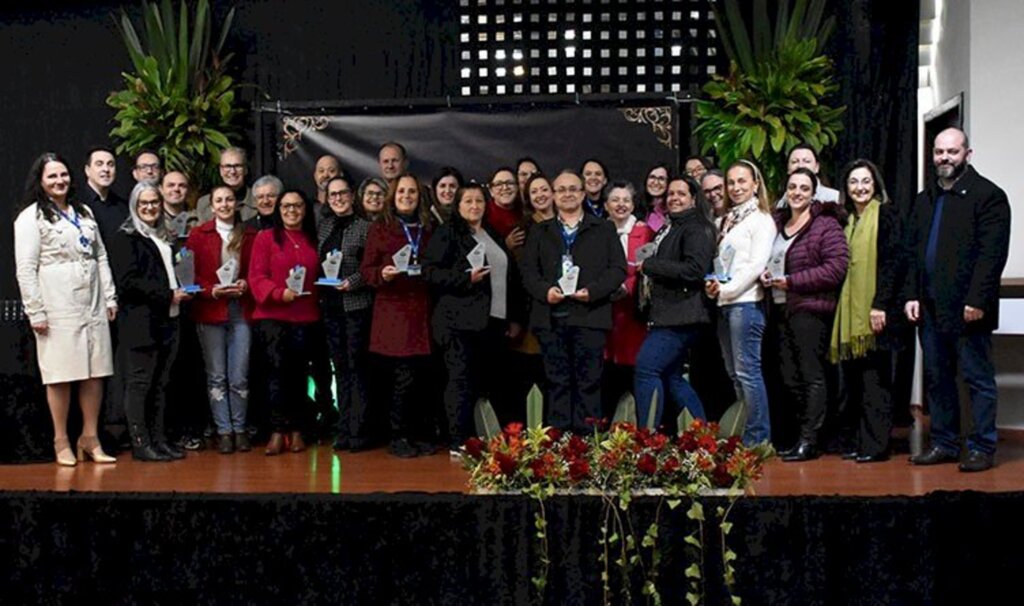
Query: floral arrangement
[615,463]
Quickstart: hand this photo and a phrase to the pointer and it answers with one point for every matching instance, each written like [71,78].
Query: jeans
[659,369]
[226,353]
[740,331]
[573,360]
[348,336]
[942,351]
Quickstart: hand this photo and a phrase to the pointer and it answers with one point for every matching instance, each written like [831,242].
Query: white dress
[70,289]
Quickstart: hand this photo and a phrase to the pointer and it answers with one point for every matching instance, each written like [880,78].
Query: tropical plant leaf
[534,407]
[487,425]
[652,413]
[684,421]
[733,420]
[625,410]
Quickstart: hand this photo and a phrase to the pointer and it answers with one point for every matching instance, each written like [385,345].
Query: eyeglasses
[500,184]
[142,203]
[657,178]
[713,190]
[232,166]
[568,190]
[292,206]
[153,166]
[374,194]
[341,193]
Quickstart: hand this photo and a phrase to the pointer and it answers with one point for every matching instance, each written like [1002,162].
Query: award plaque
[568,281]
[722,264]
[179,225]
[227,274]
[296,279]
[332,266]
[185,271]
[645,252]
[477,257]
[402,257]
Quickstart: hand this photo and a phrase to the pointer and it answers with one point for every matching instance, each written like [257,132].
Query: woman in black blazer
[475,310]
[149,296]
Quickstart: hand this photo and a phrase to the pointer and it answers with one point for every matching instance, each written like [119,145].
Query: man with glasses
[232,173]
[571,266]
[266,190]
[147,167]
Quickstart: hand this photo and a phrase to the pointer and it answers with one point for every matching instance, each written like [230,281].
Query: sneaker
[190,443]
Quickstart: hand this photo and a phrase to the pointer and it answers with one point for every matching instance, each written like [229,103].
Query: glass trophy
[185,271]
[179,225]
[401,258]
[227,274]
[568,280]
[477,257]
[645,252]
[296,280]
[777,265]
[722,263]
[332,266]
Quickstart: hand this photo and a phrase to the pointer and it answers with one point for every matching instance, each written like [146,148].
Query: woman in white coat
[69,298]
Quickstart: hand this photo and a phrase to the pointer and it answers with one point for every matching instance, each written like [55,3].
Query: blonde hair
[761,193]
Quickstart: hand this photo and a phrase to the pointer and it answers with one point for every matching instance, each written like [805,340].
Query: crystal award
[185,271]
[332,266]
[296,279]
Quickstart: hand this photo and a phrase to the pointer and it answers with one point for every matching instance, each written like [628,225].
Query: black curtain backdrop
[943,548]
[478,139]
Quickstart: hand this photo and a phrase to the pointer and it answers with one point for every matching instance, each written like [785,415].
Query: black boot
[142,448]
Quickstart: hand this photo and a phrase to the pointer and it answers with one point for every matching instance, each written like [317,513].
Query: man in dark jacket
[109,209]
[958,239]
[572,326]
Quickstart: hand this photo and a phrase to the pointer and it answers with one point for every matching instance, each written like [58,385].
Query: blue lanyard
[413,244]
[84,242]
[568,239]
[595,209]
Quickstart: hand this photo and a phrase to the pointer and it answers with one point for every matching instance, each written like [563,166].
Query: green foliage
[534,407]
[652,412]
[486,420]
[734,419]
[683,421]
[179,101]
[625,411]
[775,93]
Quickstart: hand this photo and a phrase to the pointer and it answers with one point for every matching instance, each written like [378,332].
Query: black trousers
[348,337]
[320,370]
[146,382]
[472,361]
[190,415]
[869,383]
[288,348]
[521,372]
[410,417]
[616,381]
[573,362]
[803,345]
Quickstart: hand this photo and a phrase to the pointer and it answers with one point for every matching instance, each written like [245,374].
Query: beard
[951,171]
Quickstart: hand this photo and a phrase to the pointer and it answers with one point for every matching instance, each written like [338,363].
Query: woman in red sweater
[286,317]
[400,329]
[222,312]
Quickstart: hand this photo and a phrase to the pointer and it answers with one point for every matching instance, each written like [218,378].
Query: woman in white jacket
[746,234]
[69,298]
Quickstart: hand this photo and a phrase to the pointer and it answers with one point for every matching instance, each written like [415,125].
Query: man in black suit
[958,240]
[109,209]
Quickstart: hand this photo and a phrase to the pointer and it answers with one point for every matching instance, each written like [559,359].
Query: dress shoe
[804,451]
[875,458]
[297,443]
[170,450]
[225,444]
[341,444]
[242,443]
[934,456]
[275,445]
[403,449]
[146,452]
[356,445]
[788,451]
[425,448]
[850,455]
[977,461]
[62,449]
[89,447]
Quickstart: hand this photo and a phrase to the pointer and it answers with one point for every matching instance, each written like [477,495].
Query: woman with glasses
[222,313]
[400,325]
[150,298]
[505,211]
[372,192]
[652,207]
[287,314]
[69,299]
[346,312]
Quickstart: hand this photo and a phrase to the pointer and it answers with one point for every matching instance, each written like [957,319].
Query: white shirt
[743,255]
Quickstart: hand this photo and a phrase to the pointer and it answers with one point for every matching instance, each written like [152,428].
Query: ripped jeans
[226,352]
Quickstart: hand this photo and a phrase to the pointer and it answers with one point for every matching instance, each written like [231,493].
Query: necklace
[290,239]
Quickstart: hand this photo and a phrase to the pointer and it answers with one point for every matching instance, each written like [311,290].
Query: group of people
[439,295]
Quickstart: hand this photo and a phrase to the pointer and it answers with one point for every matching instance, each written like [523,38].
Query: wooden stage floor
[319,470]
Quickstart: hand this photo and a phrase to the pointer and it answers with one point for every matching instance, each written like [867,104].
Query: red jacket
[401,307]
[502,220]
[205,243]
[269,269]
[628,332]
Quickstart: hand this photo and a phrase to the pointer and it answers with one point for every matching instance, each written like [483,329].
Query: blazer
[677,271]
[353,246]
[602,264]
[144,293]
[973,243]
[206,244]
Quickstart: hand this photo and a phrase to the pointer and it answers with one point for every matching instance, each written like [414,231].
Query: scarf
[851,332]
[736,215]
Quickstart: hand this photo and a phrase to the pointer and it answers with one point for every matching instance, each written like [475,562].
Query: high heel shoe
[297,443]
[275,445]
[62,448]
[90,446]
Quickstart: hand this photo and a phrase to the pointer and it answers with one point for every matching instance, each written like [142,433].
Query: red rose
[579,470]
[554,434]
[577,446]
[732,444]
[688,442]
[474,447]
[538,468]
[721,477]
[506,463]
[647,464]
[671,465]
[708,443]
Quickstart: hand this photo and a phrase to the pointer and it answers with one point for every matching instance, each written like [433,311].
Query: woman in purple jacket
[805,270]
